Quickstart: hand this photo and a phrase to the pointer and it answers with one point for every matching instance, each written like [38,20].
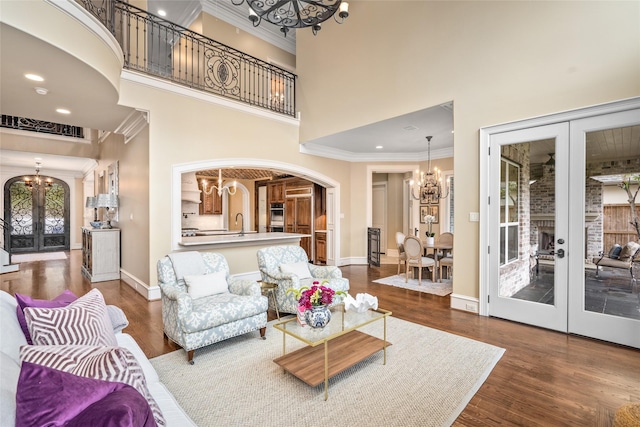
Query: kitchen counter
[222,232]
[233,240]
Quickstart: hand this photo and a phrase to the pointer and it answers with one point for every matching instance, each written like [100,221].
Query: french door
[548,185]
[39,216]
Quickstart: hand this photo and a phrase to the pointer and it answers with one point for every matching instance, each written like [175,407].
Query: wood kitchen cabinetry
[101,254]
[211,204]
[321,247]
[275,192]
[298,219]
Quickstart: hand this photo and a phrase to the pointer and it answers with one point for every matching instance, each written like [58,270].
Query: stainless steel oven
[276,215]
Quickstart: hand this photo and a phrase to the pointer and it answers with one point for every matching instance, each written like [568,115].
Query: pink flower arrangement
[317,295]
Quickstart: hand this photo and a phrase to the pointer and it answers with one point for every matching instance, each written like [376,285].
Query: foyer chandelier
[429,183]
[288,14]
[36,181]
[220,188]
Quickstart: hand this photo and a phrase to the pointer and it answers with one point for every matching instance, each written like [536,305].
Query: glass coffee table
[332,349]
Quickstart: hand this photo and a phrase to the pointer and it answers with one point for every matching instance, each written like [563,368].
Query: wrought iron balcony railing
[24,123]
[155,46]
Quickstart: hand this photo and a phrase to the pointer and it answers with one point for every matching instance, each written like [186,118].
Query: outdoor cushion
[628,251]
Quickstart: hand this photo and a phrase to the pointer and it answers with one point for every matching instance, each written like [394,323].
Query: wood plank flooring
[545,378]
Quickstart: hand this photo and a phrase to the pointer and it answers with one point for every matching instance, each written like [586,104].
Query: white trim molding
[464,303]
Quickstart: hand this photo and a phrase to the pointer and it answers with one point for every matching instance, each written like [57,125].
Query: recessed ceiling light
[379,147]
[162,12]
[63,111]
[41,90]
[34,77]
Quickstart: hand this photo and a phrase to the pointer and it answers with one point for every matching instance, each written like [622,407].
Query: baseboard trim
[151,293]
[353,261]
[464,303]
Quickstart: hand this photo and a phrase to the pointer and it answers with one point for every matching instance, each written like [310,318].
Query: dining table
[445,248]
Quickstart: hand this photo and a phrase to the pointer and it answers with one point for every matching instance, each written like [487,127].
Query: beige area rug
[429,378]
[438,288]
[42,256]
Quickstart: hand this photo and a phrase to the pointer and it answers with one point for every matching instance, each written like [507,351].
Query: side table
[270,289]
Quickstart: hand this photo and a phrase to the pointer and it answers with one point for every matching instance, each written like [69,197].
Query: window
[509,202]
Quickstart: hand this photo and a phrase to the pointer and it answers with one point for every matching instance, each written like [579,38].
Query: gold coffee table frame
[317,362]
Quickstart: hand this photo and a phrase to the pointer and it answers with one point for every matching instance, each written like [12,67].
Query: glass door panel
[605,302]
[530,283]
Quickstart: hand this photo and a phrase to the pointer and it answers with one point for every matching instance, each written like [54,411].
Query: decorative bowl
[96,224]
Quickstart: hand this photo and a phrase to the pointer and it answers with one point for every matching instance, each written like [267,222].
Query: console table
[101,253]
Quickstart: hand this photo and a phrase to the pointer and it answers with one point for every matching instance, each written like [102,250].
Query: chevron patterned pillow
[114,364]
[85,321]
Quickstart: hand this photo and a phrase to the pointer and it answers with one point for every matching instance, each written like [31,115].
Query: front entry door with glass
[560,208]
[38,214]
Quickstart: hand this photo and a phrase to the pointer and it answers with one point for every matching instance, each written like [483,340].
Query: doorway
[38,214]
[544,220]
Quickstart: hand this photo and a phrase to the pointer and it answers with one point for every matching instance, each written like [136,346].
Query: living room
[495,60]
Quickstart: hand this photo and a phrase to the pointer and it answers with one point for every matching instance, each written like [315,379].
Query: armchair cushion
[273,258]
[206,284]
[300,269]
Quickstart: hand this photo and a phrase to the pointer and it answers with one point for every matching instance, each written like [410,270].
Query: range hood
[190,190]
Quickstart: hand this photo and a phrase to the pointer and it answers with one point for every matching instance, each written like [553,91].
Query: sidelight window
[509,204]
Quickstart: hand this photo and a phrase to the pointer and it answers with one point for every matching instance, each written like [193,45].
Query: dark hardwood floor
[545,378]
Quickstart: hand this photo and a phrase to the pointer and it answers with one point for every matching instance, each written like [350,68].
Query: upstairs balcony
[155,46]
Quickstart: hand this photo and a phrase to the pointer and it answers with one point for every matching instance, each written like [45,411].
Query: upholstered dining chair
[414,251]
[445,239]
[447,263]
[402,256]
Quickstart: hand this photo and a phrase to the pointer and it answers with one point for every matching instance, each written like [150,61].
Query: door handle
[560,253]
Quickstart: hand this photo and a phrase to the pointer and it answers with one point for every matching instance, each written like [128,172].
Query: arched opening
[38,213]
[332,195]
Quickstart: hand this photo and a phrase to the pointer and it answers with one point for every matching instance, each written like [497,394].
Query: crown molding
[237,16]
[350,156]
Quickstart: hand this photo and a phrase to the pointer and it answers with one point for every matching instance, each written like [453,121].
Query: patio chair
[619,257]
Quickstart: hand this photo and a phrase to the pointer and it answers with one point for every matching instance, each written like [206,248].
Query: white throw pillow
[300,269]
[207,284]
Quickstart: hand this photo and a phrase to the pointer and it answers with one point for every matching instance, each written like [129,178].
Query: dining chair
[402,256]
[414,251]
[444,239]
[447,263]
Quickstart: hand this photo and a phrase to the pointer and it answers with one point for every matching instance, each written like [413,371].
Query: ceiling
[91,100]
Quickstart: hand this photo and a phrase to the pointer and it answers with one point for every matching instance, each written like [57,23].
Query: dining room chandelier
[36,180]
[429,182]
[220,188]
[288,14]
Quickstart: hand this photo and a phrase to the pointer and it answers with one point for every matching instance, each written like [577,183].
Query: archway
[332,186]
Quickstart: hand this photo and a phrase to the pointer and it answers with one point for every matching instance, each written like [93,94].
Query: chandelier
[288,14]
[429,183]
[220,188]
[36,181]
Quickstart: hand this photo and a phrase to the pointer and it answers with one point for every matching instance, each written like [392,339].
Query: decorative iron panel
[161,48]
[54,209]
[21,209]
[41,126]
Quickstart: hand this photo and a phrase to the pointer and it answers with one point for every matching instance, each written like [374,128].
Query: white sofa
[12,338]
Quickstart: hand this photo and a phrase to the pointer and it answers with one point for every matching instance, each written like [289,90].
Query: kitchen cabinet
[299,219]
[101,254]
[211,204]
[321,247]
[275,192]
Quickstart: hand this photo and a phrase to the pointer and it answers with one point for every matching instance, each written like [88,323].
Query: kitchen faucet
[242,227]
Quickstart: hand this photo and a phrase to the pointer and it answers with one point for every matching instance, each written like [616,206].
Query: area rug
[438,288]
[429,378]
[43,256]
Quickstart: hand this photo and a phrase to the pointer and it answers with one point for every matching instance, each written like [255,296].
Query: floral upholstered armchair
[289,268]
[202,304]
